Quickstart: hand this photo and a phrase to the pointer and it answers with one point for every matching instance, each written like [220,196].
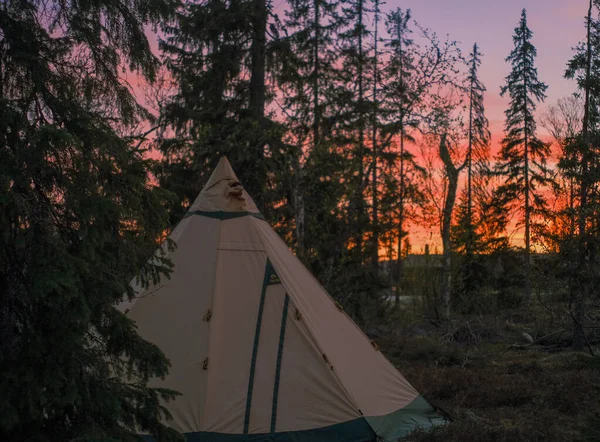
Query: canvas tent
[258,349]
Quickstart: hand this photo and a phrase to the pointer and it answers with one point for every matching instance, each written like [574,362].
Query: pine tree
[78,219]
[522,159]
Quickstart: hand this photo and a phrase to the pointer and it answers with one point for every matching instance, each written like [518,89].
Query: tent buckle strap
[298,315]
[339,306]
[208,315]
[205,364]
[375,346]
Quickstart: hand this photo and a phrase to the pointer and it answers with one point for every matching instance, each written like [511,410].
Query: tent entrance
[267,355]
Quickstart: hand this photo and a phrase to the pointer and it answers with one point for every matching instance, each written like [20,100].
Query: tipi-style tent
[258,349]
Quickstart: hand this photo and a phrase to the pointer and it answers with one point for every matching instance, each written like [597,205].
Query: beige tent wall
[174,308]
[239,279]
[309,394]
[354,359]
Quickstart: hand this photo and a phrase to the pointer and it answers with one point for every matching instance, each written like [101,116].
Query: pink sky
[557,26]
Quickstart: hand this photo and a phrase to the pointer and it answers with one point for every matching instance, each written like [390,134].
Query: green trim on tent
[357,430]
[397,425]
[223,215]
[417,414]
[269,272]
[286,303]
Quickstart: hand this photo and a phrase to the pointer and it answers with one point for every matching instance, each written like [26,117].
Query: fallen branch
[540,339]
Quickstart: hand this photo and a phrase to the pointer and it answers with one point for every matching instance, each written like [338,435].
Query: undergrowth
[494,390]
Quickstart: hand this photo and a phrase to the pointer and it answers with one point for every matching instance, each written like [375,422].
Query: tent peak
[224,193]
[223,171]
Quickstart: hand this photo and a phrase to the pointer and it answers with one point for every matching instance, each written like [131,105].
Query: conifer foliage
[580,164]
[216,53]
[77,221]
[478,144]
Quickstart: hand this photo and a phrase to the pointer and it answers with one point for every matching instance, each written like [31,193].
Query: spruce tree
[305,67]
[580,163]
[216,52]
[521,162]
[479,139]
[375,140]
[401,68]
[467,233]
[78,220]
[354,108]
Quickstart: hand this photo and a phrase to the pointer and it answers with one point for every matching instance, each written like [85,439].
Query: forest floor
[494,390]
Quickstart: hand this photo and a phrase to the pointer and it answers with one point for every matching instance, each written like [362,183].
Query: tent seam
[209,326]
[284,315]
[223,215]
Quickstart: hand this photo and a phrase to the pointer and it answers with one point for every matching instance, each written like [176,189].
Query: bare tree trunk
[316,73]
[375,251]
[400,261]
[298,199]
[361,135]
[527,205]
[469,245]
[452,176]
[572,208]
[257,93]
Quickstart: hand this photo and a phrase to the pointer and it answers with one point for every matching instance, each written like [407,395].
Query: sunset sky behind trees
[557,26]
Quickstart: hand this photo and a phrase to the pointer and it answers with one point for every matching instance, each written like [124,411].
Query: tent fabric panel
[260,408]
[239,279]
[417,414]
[171,309]
[240,233]
[356,430]
[309,395]
[163,251]
[354,358]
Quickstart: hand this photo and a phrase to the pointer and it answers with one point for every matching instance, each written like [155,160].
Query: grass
[493,391]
